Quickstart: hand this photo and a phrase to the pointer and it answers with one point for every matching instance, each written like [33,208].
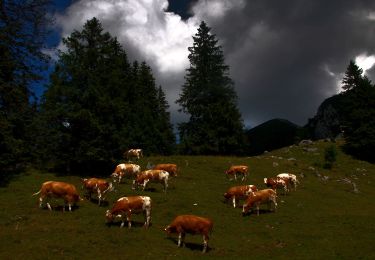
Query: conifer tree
[359,113]
[208,96]
[22,32]
[97,105]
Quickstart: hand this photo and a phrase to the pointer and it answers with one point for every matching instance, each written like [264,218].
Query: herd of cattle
[124,207]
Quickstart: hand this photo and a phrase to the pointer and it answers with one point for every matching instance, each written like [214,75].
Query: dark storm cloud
[286,56]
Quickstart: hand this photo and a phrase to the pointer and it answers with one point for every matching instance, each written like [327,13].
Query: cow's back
[193,224]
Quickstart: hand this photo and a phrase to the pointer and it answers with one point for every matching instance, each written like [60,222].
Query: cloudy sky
[285,57]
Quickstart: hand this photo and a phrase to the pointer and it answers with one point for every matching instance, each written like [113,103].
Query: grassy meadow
[323,219]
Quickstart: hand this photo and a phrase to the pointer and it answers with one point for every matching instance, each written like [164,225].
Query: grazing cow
[56,189]
[125,206]
[133,153]
[260,197]
[239,192]
[275,183]
[237,169]
[168,167]
[125,169]
[99,186]
[190,224]
[151,176]
[290,177]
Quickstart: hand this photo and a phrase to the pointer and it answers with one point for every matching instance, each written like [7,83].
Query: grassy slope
[322,219]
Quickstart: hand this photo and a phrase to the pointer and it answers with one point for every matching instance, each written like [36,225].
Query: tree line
[97,103]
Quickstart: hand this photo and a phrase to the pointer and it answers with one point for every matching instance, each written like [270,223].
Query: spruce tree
[208,96]
[23,28]
[358,113]
[97,105]
[353,76]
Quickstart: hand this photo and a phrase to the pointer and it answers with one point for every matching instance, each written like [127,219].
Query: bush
[330,154]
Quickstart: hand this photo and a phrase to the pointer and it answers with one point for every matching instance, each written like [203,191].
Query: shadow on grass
[261,212]
[95,201]
[135,224]
[191,246]
[61,208]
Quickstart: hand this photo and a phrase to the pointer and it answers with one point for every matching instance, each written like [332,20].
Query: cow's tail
[36,193]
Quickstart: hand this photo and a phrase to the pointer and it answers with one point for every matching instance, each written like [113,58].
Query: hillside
[271,135]
[326,218]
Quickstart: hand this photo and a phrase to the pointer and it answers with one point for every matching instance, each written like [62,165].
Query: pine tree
[358,111]
[97,105]
[208,96]
[353,76]
[22,32]
[84,113]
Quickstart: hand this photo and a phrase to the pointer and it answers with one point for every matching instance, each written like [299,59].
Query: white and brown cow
[267,196]
[239,192]
[98,186]
[168,167]
[235,170]
[277,183]
[133,153]
[125,170]
[151,176]
[124,207]
[57,189]
[190,224]
[292,179]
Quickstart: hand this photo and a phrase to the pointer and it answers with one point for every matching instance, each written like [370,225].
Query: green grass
[323,219]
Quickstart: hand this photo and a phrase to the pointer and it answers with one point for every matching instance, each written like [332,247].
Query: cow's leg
[205,243]
[257,207]
[165,185]
[181,239]
[99,196]
[234,202]
[148,217]
[128,215]
[40,202]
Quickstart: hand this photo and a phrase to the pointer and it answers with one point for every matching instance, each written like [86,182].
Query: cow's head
[246,208]
[170,229]
[226,195]
[108,216]
[114,176]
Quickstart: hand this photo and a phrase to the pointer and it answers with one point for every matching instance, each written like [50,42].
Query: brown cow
[291,178]
[99,186]
[125,206]
[239,192]
[277,183]
[56,189]
[125,170]
[238,169]
[133,153]
[168,167]
[260,197]
[151,176]
[190,224]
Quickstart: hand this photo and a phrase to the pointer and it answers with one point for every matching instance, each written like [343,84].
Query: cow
[290,177]
[275,183]
[260,197]
[133,153]
[125,206]
[239,192]
[190,224]
[237,169]
[168,167]
[151,176]
[99,186]
[125,169]
[56,189]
